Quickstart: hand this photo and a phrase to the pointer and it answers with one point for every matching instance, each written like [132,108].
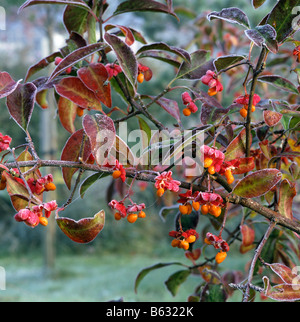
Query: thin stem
[255,258]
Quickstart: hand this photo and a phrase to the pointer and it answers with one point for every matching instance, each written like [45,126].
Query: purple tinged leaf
[287,192]
[227,61]
[279,82]
[78,3]
[7,84]
[84,230]
[257,183]
[237,146]
[272,118]
[20,104]
[144,5]
[264,35]
[233,15]
[75,57]
[125,56]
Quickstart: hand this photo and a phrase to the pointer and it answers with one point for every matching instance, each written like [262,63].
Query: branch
[150,177]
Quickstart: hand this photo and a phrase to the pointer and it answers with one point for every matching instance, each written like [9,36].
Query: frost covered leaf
[233,15]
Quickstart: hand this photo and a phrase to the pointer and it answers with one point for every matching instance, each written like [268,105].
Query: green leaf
[257,183]
[279,82]
[143,5]
[199,65]
[213,293]
[161,46]
[175,280]
[233,15]
[227,61]
[147,270]
[263,35]
[84,230]
[75,19]
[125,56]
[88,182]
[284,18]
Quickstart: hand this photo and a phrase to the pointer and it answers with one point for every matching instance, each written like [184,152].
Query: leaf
[125,56]
[75,19]
[198,66]
[257,183]
[75,90]
[284,18]
[246,165]
[257,3]
[95,77]
[147,270]
[175,280]
[20,104]
[67,111]
[161,46]
[237,147]
[279,82]
[227,61]
[88,182]
[287,192]
[7,84]
[102,133]
[78,145]
[213,293]
[41,65]
[129,37]
[212,111]
[75,57]
[143,5]
[272,118]
[233,15]
[78,3]
[84,230]
[162,56]
[263,35]
[285,273]
[248,235]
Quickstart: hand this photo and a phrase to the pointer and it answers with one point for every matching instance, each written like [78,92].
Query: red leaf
[71,152]
[20,104]
[129,38]
[84,230]
[102,133]
[271,117]
[246,165]
[74,89]
[95,78]
[287,192]
[67,111]
[75,57]
[248,235]
[7,84]
[236,148]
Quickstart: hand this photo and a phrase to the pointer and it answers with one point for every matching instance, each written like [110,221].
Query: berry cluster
[33,217]
[244,100]
[183,239]
[211,80]
[188,202]
[38,186]
[5,141]
[144,73]
[218,243]
[132,212]
[191,107]
[164,182]
[211,203]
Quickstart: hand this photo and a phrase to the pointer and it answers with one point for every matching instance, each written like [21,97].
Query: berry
[186,98]
[141,214]
[193,107]
[184,244]
[160,192]
[43,221]
[243,112]
[50,186]
[175,243]
[186,112]
[220,257]
[215,210]
[140,78]
[208,162]
[229,176]
[132,218]
[116,174]
[191,239]
[80,111]
[196,205]
[212,91]
[183,209]
[206,241]
[204,209]
[118,216]
[211,170]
